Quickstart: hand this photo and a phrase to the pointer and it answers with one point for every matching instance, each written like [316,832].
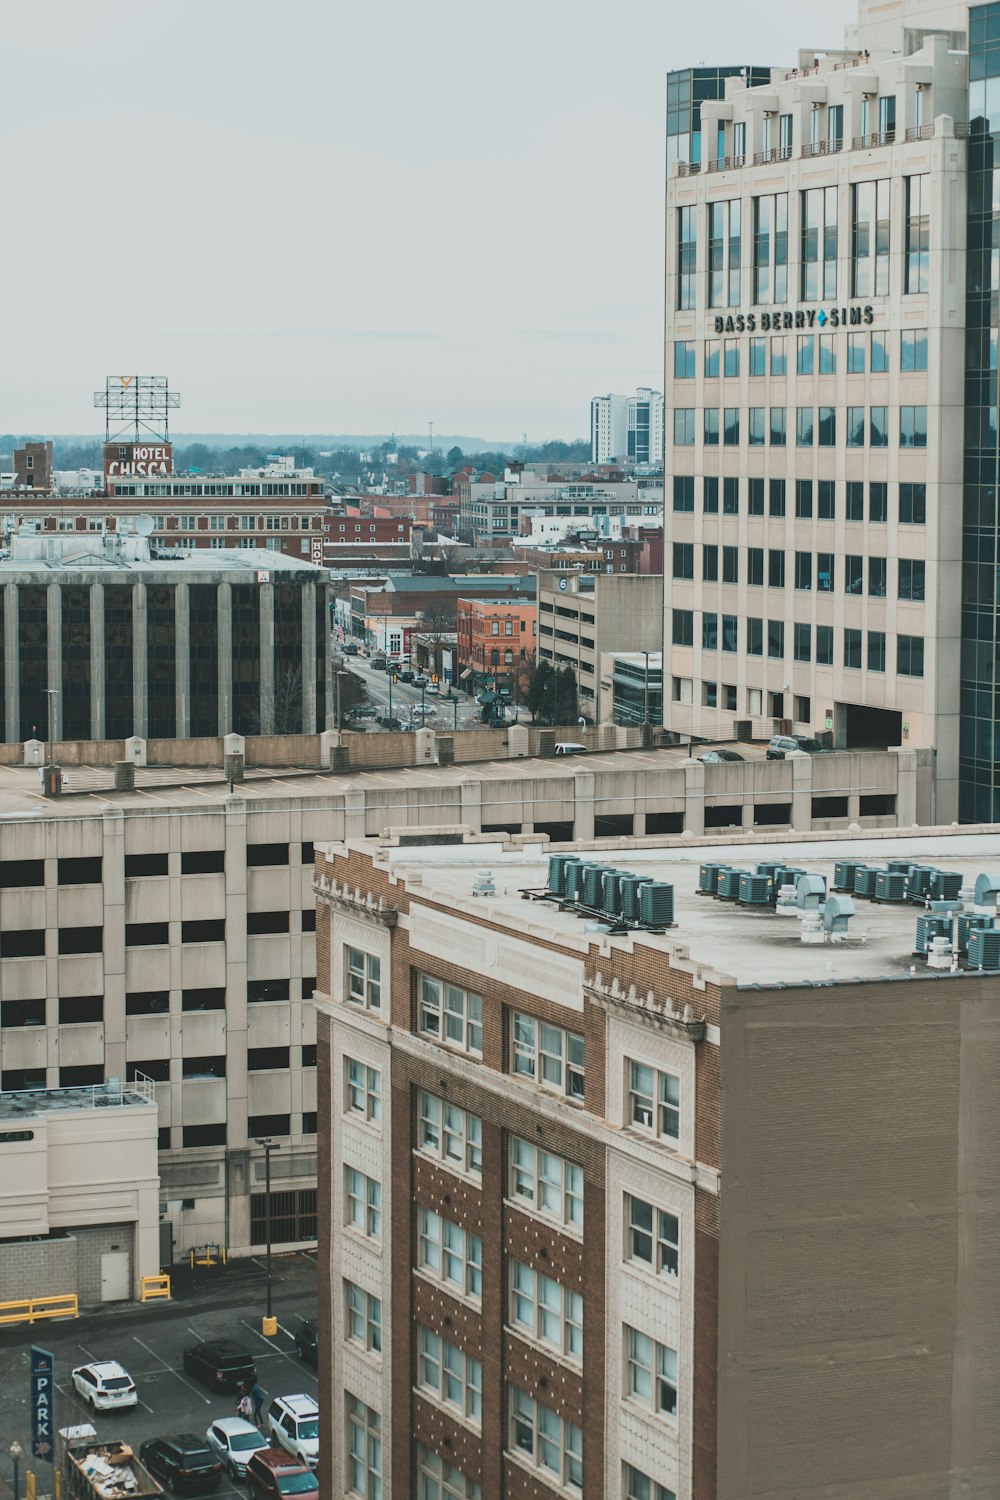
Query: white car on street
[105,1386]
[293,1421]
[234,1441]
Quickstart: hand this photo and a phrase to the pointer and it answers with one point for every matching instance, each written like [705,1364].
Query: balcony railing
[776,153]
[726,163]
[880,138]
[823,148]
[688,168]
[920,133]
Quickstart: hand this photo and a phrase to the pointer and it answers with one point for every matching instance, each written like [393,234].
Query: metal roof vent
[483,885]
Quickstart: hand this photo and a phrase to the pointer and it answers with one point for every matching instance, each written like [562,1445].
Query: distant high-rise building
[627,428]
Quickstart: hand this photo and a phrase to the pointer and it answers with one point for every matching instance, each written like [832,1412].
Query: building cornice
[647,1010]
[355,902]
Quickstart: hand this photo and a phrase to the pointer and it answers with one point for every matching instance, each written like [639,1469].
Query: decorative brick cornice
[356,903]
[648,1009]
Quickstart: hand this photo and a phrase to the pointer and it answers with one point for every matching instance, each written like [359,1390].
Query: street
[442,712]
[149,1341]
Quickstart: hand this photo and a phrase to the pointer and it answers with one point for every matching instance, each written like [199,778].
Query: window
[878,501]
[709,495]
[819,244]
[74,1010]
[913,349]
[828,427]
[770,249]
[545,1310]
[758,357]
[547,1441]
[362,1090]
[803,642]
[755,636]
[910,656]
[652,1236]
[730,633]
[449,1254]
[204,931]
[710,563]
[548,1054]
[362,1203]
[911,578]
[803,498]
[853,574]
[826,499]
[913,427]
[650,1373]
[876,650]
[143,934]
[779,358]
[824,572]
[74,940]
[683,627]
[549,1184]
[731,358]
[263,990]
[711,368]
[262,923]
[27,1012]
[803,570]
[449,1375]
[878,426]
[776,639]
[805,363]
[912,504]
[779,430]
[755,497]
[363,985]
[709,632]
[684,492]
[684,426]
[775,568]
[710,427]
[203,862]
[144,865]
[362,1318]
[203,999]
[639,1487]
[654,1100]
[683,359]
[855,500]
[683,560]
[687,254]
[776,497]
[203,1135]
[449,1135]
[824,645]
[856,351]
[755,427]
[730,565]
[870,240]
[364,1450]
[804,422]
[876,577]
[724,253]
[80,871]
[880,353]
[887,115]
[827,355]
[437,1480]
[731,496]
[755,567]
[852,649]
[147,1003]
[267,854]
[855,427]
[451,1014]
[918,208]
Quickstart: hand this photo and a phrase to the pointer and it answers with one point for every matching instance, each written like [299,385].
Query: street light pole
[15,1450]
[268,1146]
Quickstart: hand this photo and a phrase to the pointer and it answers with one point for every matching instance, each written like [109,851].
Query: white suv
[105,1386]
[293,1421]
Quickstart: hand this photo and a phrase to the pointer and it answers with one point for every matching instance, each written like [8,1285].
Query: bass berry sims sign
[137,460]
[801,318]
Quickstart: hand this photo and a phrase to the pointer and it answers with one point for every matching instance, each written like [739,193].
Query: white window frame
[362,978]
[554,1446]
[662,1232]
[545,1311]
[638,1486]
[449,1376]
[449,1254]
[362,1203]
[546,1184]
[364,1431]
[450,1014]
[650,1373]
[362,1083]
[439,1480]
[449,1135]
[550,1056]
[653,1101]
[362,1318]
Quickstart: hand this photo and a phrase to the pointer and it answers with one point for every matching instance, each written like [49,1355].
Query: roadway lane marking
[292,1360]
[172,1371]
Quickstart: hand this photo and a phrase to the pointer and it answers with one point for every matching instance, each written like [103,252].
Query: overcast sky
[319,216]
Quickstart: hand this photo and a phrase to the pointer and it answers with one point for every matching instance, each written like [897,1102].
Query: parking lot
[149,1341]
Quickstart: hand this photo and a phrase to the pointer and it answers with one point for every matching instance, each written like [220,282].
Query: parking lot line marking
[172,1371]
[283,1352]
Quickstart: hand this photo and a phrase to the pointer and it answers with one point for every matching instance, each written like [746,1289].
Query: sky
[315,216]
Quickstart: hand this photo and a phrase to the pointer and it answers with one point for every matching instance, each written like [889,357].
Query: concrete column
[802,788]
[354,812]
[906,786]
[11,663]
[583,804]
[182,659]
[694,797]
[267,682]
[471,792]
[309,663]
[225,608]
[140,663]
[54,714]
[97,683]
[327,655]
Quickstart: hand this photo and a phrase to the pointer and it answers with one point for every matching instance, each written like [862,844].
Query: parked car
[570,747]
[105,1386]
[185,1464]
[272,1474]
[715,757]
[220,1364]
[234,1440]
[780,745]
[420,680]
[350,648]
[432,689]
[293,1421]
[307,1341]
[405,675]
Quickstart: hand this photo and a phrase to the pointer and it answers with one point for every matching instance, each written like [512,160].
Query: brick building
[496,637]
[690,1215]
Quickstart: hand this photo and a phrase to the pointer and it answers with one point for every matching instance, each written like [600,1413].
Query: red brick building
[496,636]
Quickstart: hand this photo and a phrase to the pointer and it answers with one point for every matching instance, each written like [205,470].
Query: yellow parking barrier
[207,1255]
[33,1309]
[155,1286]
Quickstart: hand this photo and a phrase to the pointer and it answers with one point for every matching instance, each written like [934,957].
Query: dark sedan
[716,757]
[185,1464]
[306,1340]
[221,1364]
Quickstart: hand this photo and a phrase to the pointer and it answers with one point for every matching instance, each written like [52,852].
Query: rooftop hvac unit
[557,863]
[728,887]
[836,913]
[611,900]
[987,890]
[945,885]
[843,874]
[918,882]
[755,890]
[656,904]
[898,866]
[631,885]
[967,925]
[865,877]
[890,885]
[785,875]
[593,889]
[810,892]
[984,949]
[568,876]
[708,878]
[928,928]
[768,868]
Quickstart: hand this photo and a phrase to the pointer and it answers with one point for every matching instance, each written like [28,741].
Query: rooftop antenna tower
[137,407]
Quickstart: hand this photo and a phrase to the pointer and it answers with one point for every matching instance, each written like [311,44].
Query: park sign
[42,1397]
